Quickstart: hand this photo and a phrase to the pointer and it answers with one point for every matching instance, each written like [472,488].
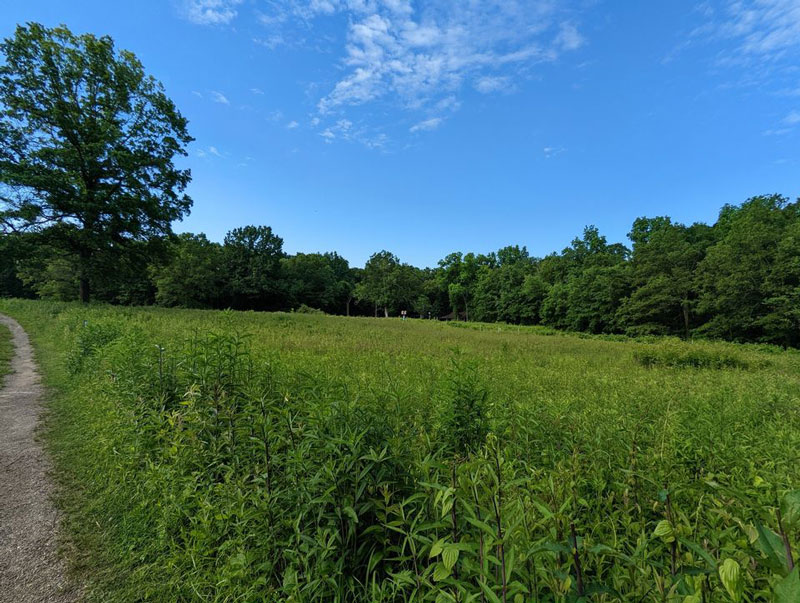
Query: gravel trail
[30,568]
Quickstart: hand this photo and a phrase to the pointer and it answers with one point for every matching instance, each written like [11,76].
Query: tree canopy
[87,148]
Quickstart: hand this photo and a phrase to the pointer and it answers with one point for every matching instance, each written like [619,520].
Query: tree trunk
[385,312]
[83,290]
[348,306]
[376,309]
[686,318]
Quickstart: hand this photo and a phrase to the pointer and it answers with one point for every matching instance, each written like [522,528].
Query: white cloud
[210,12]
[762,28]
[208,151]
[489,84]
[218,97]
[328,135]
[428,124]
[258,91]
[422,53]
[197,94]
[552,151]
[569,38]
[271,42]
[792,119]
[292,125]
[448,103]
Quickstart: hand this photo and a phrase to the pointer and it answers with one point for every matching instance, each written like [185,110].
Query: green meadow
[239,456]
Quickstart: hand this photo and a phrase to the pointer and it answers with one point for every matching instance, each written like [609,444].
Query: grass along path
[6,350]
[30,569]
[234,456]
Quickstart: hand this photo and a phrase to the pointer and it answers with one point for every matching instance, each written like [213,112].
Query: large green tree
[194,276]
[663,264]
[389,284]
[87,148]
[748,280]
[319,280]
[252,259]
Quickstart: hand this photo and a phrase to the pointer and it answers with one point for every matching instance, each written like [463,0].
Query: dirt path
[30,569]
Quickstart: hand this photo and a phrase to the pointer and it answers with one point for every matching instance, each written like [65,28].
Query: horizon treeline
[738,279]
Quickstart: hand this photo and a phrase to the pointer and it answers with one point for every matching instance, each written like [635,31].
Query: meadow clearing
[227,456]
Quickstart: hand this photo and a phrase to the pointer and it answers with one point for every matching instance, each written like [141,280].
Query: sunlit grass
[6,351]
[244,456]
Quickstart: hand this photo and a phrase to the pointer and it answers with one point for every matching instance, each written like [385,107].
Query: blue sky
[430,127]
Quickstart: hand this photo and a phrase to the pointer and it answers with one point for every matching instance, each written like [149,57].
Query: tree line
[90,188]
[738,279]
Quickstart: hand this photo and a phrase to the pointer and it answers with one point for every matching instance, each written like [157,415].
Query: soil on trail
[30,568]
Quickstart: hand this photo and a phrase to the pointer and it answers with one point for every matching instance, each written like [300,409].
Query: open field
[220,456]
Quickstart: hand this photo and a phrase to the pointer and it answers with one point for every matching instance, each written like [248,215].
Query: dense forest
[89,191]
[738,279]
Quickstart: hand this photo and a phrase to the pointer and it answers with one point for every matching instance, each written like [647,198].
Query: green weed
[218,456]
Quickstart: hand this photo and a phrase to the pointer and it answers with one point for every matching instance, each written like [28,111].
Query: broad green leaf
[771,545]
[436,548]
[664,531]
[731,576]
[790,509]
[449,556]
[788,589]
[444,597]
[440,572]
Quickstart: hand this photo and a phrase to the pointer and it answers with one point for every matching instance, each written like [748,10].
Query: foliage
[387,283]
[693,355]
[194,275]
[749,278]
[87,143]
[291,457]
[252,256]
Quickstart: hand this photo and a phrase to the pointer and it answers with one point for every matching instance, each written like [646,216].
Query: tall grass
[6,351]
[218,456]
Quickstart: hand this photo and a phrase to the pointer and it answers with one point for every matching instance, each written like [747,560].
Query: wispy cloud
[764,28]
[209,12]
[569,38]
[421,54]
[488,84]
[754,31]
[258,91]
[292,125]
[552,151]
[210,150]
[220,98]
[428,124]
[792,119]
[754,43]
